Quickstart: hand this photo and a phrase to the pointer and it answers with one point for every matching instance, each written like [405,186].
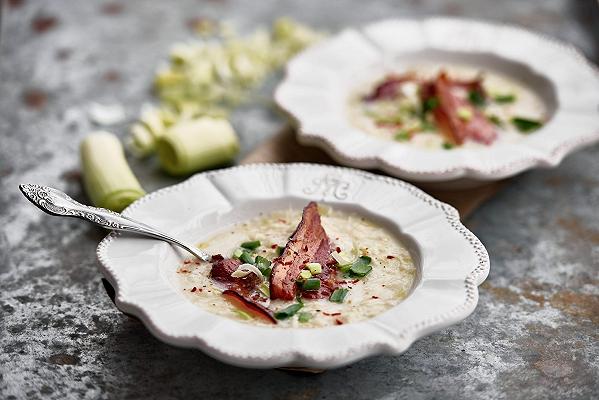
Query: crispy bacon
[452,97]
[309,243]
[388,88]
[249,306]
[242,292]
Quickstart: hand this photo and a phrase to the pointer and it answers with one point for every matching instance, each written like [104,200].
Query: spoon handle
[55,202]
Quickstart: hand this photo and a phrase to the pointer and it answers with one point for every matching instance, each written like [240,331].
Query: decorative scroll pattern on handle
[58,203]
[329,185]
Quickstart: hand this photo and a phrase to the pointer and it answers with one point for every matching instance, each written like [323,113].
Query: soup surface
[448,107]
[363,269]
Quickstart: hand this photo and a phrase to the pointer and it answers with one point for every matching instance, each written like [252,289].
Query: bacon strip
[309,243]
[457,129]
[249,306]
[242,292]
[388,88]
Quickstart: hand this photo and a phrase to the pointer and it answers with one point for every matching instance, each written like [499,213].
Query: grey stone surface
[534,334]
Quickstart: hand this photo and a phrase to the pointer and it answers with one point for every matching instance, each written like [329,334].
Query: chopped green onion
[288,311]
[526,125]
[304,317]
[495,120]
[448,146]
[252,245]
[311,284]
[305,274]
[315,268]
[476,97]
[338,295]
[430,104]
[464,113]
[265,289]
[361,267]
[504,98]
[247,258]
[427,126]
[237,253]
[263,265]
[280,250]
[402,136]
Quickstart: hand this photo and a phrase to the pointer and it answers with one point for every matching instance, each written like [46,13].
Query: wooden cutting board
[284,148]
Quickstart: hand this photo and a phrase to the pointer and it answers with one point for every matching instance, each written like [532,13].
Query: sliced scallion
[251,245]
[304,317]
[305,274]
[338,295]
[430,104]
[504,98]
[526,125]
[402,136]
[361,267]
[246,257]
[263,265]
[448,146]
[476,98]
[280,250]
[288,311]
[315,268]
[237,253]
[311,284]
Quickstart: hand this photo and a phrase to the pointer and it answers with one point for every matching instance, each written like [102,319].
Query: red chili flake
[355,281]
[306,248]
[338,321]
[383,285]
[338,249]
[375,297]
[184,271]
[390,257]
[331,314]
[274,246]
[288,263]
[282,221]
[187,262]
[194,289]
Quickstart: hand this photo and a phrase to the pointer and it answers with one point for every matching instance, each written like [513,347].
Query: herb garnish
[477,98]
[526,125]
[288,311]
[448,146]
[402,136]
[252,245]
[430,104]
[311,284]
[263,265]
[338,295]
[361,267]
[504,98]
[304,317]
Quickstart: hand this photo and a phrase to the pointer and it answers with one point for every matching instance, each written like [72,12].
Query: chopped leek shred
[314,268]
[212,75]
[108,179]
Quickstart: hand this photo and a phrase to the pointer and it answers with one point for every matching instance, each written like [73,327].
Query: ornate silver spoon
[55,202]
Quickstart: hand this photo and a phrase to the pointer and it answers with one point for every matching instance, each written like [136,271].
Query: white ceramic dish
[451,263]
[320,80]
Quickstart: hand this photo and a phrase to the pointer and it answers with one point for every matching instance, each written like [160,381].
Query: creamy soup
[356,244]
[482,108]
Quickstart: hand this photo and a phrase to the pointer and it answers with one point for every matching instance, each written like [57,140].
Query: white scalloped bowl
[320,80]
[451,263]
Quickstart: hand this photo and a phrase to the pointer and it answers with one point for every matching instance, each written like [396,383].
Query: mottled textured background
[534,334]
